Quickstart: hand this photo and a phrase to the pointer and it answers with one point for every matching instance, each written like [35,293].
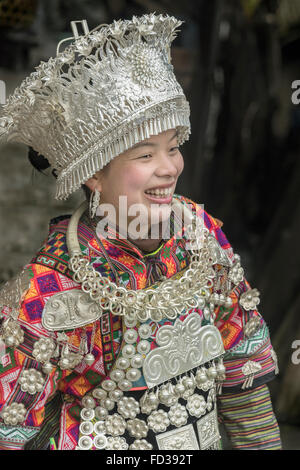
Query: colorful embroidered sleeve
[249,419]
[31,369]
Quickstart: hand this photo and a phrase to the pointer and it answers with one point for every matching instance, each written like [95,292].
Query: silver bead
[125,385]
[201,377]
[108,385]
[122,363]
[133,375]
[99,427]
[115,395]
[130,336]
[212,372]
[100,441]
[85,442]
[143,347]
[144,331]
[137,361]
[89,359]
[179,389]
[188,382]
[99,393]
[47,368]
[86,427]
[117,375]
[128,351]
[88,402]
[107,403]
[101,412]
[87,414]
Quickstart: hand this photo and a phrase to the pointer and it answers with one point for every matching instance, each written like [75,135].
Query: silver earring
[94,203]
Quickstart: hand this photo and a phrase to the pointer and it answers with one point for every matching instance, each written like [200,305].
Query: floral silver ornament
[14,414]
[147,67]
[196,405]
[137,428]
[158,421]
[250,299]
[128,407]
[115,425]
[31,381]
[69,360]
[43,349]
[116,443]
[140,444]
[178,415]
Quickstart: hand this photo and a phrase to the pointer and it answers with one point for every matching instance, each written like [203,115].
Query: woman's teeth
[160,192]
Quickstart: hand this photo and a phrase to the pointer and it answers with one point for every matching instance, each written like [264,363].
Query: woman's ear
[94,182]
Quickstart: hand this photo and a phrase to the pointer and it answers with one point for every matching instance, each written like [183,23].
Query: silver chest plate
[181,347]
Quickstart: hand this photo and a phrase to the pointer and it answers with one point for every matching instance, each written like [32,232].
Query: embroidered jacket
[57,400]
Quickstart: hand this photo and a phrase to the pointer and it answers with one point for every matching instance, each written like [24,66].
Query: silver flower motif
[178,415]
[140,444]
[158,421]
[83,46]
[116,443]
[14,414]
[146,69]
[31,381]
[117,28]
[115,425]
[196,405]
[137,428]
[128,407]
[43,349]
[250,299]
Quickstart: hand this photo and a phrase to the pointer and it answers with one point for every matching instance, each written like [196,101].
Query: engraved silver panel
[183,438]
[181,347]
[70,309]
[208,431]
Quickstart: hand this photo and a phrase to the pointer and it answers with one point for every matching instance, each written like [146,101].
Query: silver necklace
[169,298]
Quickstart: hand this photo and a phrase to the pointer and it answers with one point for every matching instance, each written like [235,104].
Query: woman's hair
[39,162]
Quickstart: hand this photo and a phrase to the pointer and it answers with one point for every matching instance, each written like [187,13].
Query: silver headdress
[110,89]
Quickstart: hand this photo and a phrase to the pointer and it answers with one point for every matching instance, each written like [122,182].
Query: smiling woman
[136,330]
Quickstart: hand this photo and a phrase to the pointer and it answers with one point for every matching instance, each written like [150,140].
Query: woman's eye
[145,156]
[174,149]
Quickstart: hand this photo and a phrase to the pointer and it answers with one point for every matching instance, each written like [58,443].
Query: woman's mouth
[160,195]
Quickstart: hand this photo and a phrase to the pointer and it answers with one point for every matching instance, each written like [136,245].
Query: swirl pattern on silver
[181,347]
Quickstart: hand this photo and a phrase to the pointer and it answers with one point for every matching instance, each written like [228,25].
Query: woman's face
[146,174]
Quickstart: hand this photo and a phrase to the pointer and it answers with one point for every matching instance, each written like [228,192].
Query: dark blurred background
[236,60]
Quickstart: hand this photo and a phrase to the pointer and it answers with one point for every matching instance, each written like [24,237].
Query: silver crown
[108,90]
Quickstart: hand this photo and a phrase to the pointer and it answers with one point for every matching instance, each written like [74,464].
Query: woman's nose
[167,165]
